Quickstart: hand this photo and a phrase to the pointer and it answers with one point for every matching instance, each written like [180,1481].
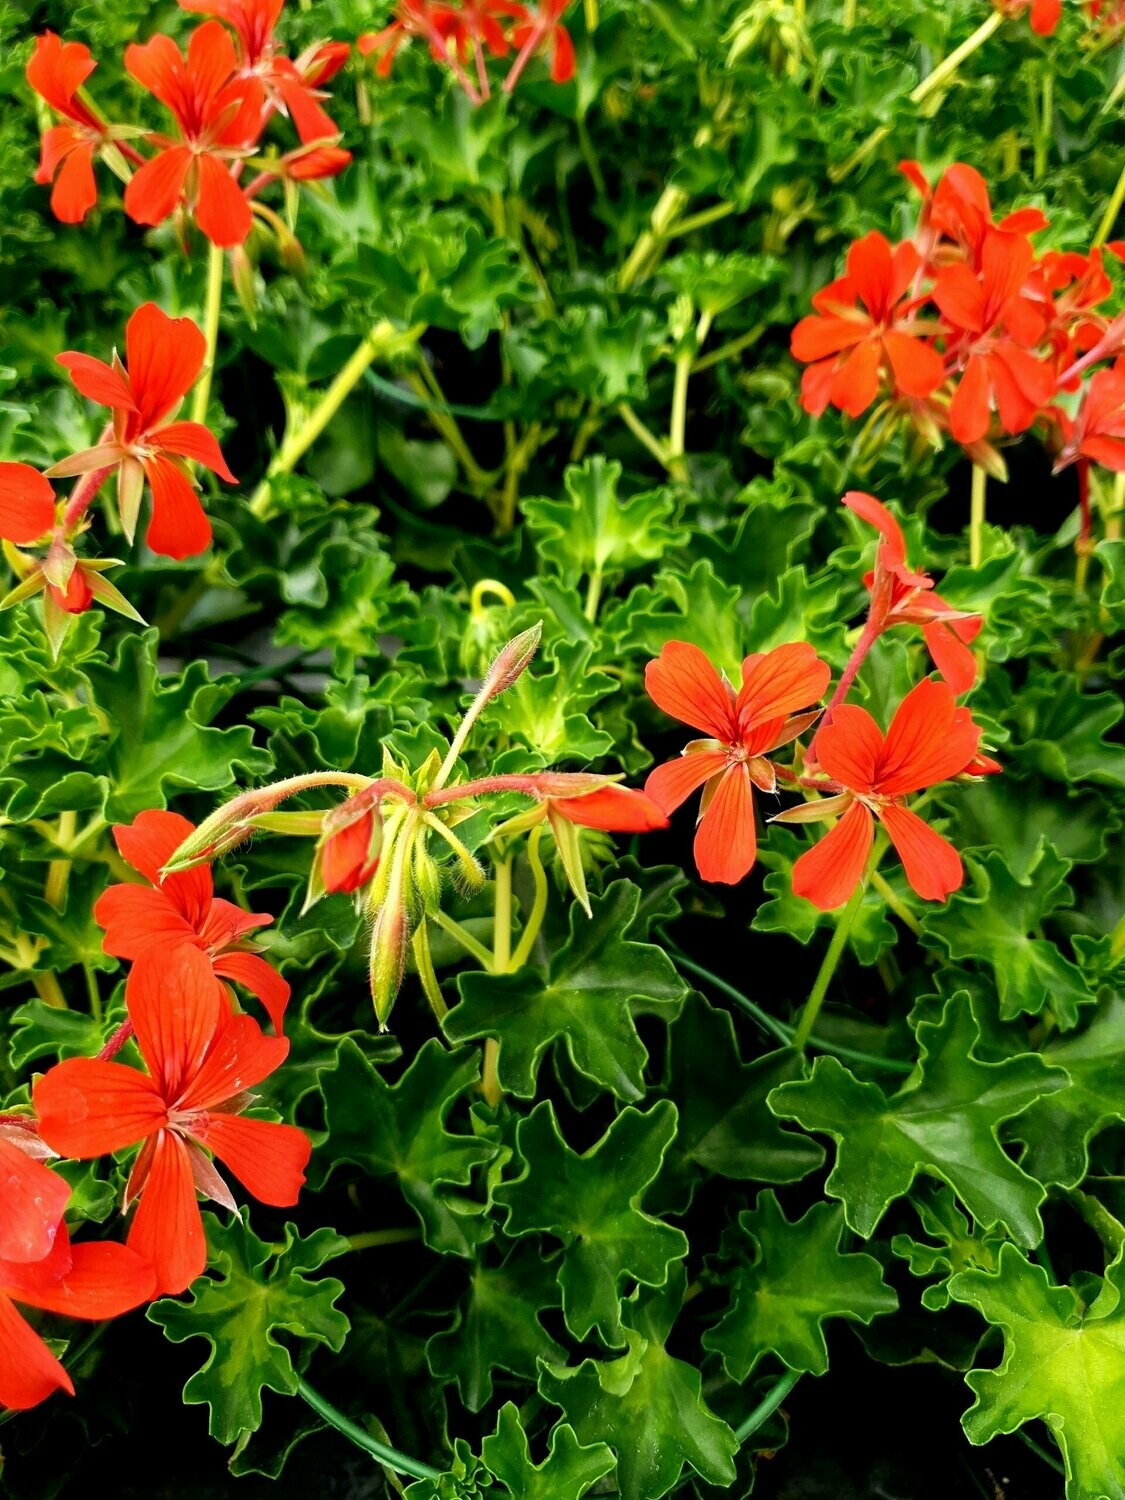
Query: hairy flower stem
[941,75]
[383,340]
[677,427]
[501,964]
[539,903]
[420,944]
[58,871]
[211,308]
[977,516]
[84,492]
[828,968]
[1112,209]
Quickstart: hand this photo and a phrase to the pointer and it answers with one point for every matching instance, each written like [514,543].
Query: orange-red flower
[905,597]
[219,115]
[543,31]
[33,1199]
[183,909]
[1044,14]
[743,729]
[57,70]
[864,331]
[1098,432]
[614,809]
[93,1282]
[27,504]
[929,741]
[165,356]
[200,1062]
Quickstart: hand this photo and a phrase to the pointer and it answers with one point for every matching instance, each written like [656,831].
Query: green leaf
[647,1405]
[943,1122]
[1058,1129]
[1061,732]
[696,608]
[724,1125]
[958,1247]
[595,986]
[254,1293]
[788,1279]
[497,1327]
[591,1202]
[566,1473]
[398,1130]
[548,710]
[594,532]
[995,923]
[872,933]
[1064,1362]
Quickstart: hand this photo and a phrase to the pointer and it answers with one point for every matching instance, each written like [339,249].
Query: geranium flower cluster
[852,770]
[222,94]
[964,329]
[142,445]
[464,34]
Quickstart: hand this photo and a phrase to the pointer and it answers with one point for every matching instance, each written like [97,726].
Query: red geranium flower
[930,740]
[200,1062]
[864,331]
[348,855]
[183,909]
[543,31]
[27,504]
[93,1282]
[56,71]
[743,729]
[614,809]
[1098,432]
[33,1199]
[165,357]
[219,114]
[1045,14]
[905,597]
[960,209]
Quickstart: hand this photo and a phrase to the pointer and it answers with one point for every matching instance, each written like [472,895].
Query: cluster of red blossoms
[185,1105]
[466,33]
[964,329]
[142,443]
[852,771]
[222,94]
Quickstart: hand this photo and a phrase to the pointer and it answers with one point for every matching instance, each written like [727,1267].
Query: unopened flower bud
[389,940]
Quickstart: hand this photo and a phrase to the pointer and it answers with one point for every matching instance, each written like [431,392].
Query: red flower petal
[686,686]
[269,1160]
[97,381]
[222,212]
[828,873]
[29,1372]
[168,1230]
[27,504]
[849,747]
[57,70]
[816,337]
[148,843]
[970,411]
[918,370]
[90,1108]
[179,527]
[726,841]
[960,298]
[856,383]
[774,684]
[952,657]
[933,867]
[673,782]
[176,1008]
[619,809]
[75,191]
[193,440]
[136,917]
[104,1281]
[154,190]
[241,1057]
[254,974]
[33,1200]
[930,739]
[165,356]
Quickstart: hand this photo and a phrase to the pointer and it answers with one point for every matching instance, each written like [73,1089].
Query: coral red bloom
[959,209]
[349,854]
[1098,433]
[56,71]
[200,1062]
[33,1199]
[93,1282]
[743,728]
[183,909]
[1045,14]
[615,809]
[930,740]
[219,114]
[904,597]
[544,31]
[27,504]
[863,332]
[165,356]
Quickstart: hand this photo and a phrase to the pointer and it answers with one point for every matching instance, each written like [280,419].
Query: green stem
[424,961]
[728,351]
[767,1405]
[827,969]
[49,990]
[977,516]
[400,1463]
[501,964]
[677,427]
[383,340]
[1112,209]
[700,220]
[538,906]
[58,871]
[593,595]
[211,309]
[374,1239]
[463,936]
[644,435]
[900,909]
[851,9]
[1040,1452]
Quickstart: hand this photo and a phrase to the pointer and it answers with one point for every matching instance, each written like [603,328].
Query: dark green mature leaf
[597,982]
[1064,1362]
[1058,1128]
[958,1247]
[943,1123]
[1061,732]
[398,1130]
[497,1326]
[591,1202]
[997,923]
[724,1124]
[647,1405]
[789,1278]
[255,1293]
[567,1472]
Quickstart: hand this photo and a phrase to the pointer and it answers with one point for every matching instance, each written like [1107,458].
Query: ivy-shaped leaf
[996,924]
[548,710]
[566,1473]
[1063,1362]
[591,1202]
[398,1130]
[943,1122]
[788,1278]
[253,1294]
[647,1405]
[959,1248]
[597,982]
[1061,732]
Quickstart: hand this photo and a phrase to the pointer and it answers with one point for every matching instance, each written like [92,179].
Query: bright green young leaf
[647,1405]
[548,710]
[497,1327]
[943,1123]
[1064,1362]
[997,925]
[398,1130]
[591,1202]
[959,1248]
[567,1472]
[788,1279]
[597,983]
[254,1294]
[695,607]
